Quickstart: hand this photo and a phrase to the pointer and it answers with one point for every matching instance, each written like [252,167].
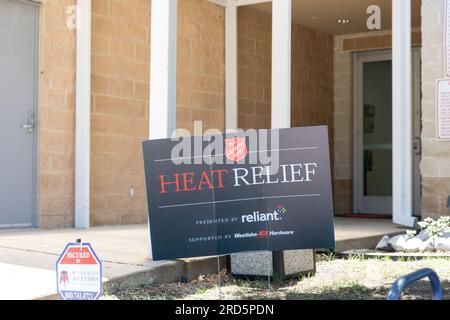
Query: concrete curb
[167,272]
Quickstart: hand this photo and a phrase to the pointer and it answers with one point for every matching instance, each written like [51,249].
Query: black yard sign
[262,190]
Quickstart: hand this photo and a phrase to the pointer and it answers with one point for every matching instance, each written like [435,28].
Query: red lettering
[263,234]
[188,179]
[219,177]
[164,184]
[205,180]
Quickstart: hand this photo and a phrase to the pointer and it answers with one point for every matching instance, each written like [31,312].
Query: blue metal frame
[403,282]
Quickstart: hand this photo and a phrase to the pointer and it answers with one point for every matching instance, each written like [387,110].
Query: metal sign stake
[220,279]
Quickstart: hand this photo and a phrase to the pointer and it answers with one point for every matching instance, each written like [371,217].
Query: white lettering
[290,173]
[310,172]
[261,217]
[238,177]
[298,172]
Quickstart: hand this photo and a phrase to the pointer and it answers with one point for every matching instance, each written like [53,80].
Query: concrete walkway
[362,233]
[28,257]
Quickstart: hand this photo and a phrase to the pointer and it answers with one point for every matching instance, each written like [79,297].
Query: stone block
[273,264]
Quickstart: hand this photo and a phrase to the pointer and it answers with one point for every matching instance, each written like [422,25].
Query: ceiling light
[343,21]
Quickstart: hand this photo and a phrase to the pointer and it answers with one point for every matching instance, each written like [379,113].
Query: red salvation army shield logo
[236,149]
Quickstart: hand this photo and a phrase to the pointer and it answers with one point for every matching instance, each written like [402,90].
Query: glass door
[373,132]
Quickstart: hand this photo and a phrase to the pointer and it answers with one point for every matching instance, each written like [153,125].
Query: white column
[281,63]
[83,116]
[402,113]
[163,72]
[231,68]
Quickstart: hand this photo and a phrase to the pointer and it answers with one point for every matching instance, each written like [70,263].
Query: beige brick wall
[201,65]
[120,52]
[312,78]
[435,167]
[120,73]
[344,47]
[56,117]
[378,40]
[312,67]
[119,119]
[254,63]
[120,82]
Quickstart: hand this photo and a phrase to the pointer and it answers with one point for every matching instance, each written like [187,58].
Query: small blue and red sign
[79,273]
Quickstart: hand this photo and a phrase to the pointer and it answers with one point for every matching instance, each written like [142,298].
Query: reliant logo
[263,217]
[281,209]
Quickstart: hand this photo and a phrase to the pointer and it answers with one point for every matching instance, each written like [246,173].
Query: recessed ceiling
[322,15]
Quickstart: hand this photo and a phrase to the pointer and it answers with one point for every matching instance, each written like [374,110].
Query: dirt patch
[336,279]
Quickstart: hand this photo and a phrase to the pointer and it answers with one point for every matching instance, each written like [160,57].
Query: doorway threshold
[365,216]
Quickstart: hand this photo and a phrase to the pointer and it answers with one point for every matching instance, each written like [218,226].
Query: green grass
[354,278]
[202,289]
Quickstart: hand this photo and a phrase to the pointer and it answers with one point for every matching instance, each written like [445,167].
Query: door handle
[418,146]
[29,126]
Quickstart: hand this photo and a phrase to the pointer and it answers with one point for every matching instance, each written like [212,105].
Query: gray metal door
[18,95]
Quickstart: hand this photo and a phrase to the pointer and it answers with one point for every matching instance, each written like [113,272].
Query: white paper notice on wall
[443,109]
[447,38]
